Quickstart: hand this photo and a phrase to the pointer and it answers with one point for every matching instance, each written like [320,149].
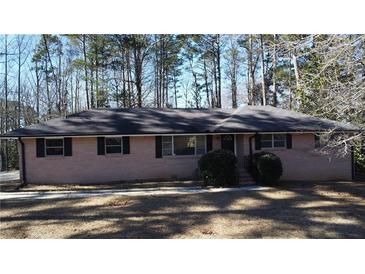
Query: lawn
[295,210]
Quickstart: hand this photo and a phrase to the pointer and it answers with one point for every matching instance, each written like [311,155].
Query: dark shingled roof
[178,121]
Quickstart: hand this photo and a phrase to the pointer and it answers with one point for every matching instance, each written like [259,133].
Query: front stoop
[244,176]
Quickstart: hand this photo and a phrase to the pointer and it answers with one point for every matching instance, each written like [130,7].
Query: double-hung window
[113,145]
[167,145]
[273,140]
[54,147]
[183,145]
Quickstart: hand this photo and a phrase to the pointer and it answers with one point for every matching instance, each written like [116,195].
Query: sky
[28,75]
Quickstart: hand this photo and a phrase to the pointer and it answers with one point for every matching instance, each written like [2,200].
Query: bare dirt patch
[294,210]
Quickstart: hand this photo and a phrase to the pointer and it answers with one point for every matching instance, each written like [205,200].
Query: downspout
[24,178]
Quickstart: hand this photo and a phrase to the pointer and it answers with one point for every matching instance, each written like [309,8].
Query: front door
[227,142]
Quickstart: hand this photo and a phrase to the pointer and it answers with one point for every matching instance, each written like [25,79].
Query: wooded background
[47,76]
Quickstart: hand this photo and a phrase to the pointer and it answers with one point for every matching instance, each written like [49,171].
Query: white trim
[121,145]
[173,145]
[273,141]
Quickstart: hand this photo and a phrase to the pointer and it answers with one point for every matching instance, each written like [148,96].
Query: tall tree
[233,67]
[262,69]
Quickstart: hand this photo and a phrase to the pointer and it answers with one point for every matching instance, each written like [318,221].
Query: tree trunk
[97,95]
[175,92]
[129,80]
[49,106]
[37,89]
[234,83]
[216,103]
[19,70]
[263,91]
[92,95]
[219,105]
[6,149]
[138,74]
[72,95]
[123,79]
[251,73]
[290,88]
[59,79]
[206,82]
[86,71]
[274,73]
[296,69]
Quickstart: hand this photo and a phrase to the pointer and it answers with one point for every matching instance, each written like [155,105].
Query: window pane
[266,143]
[200,145]
[279,137]
[166,139]
[113,141]
[184,145]
[166,145]
[279,140]
[279,143]
[54,151]
[266,140]
[113,149]
[166,152]
[266,137]
[54,142]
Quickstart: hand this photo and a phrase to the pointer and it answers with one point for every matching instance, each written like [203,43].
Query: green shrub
[266,168]
[359,159]
[219,168]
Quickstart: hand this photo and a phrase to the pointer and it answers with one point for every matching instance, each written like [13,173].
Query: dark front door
[227,142]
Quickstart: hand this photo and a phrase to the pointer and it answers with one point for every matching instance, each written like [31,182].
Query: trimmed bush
[219,168]
[266,168]
[359,158]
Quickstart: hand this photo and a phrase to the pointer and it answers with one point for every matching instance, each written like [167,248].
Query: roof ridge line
[226,119]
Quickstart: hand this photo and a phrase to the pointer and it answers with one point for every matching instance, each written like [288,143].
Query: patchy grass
[294,210]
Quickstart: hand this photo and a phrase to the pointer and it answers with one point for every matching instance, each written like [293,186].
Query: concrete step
[244,175]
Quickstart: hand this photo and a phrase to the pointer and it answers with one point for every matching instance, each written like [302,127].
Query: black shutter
[40,147]
[67,142]
[317,141]
[257,142]
[209,140]
[158,146]
[101,146]
[126,145]
[288,141]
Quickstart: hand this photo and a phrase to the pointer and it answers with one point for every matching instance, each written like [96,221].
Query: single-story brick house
[111,145]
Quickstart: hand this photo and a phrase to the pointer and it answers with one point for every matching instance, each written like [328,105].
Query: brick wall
[85,166]
[303,162]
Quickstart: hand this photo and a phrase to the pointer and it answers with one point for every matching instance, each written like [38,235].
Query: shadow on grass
[329,210]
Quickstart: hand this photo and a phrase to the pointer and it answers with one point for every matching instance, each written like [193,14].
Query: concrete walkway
[9,176]
[44,195]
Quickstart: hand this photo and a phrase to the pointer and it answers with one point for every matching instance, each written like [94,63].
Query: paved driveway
[324,210]
[9,176]
[50,195]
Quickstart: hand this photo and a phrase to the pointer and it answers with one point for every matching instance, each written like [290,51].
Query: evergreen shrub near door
[359,157]
[219,168]
[266,168]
